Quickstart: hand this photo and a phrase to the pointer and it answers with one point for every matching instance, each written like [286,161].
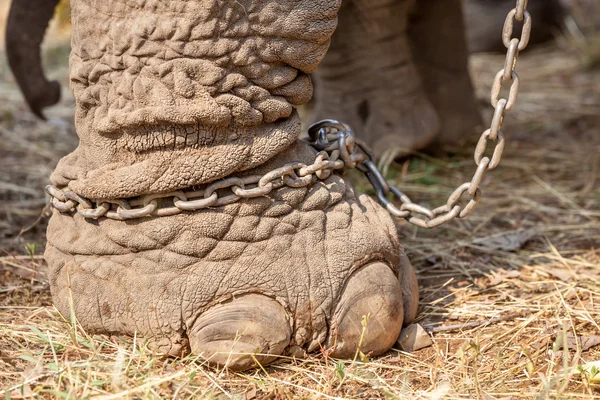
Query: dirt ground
[511,295]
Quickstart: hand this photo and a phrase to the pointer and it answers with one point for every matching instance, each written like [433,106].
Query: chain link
[217,194]
[453,209]
[338,150]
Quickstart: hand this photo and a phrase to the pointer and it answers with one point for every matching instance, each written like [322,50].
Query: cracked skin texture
[157,276]
[177,93]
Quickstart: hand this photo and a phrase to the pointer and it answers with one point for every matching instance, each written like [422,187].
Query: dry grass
[511,295]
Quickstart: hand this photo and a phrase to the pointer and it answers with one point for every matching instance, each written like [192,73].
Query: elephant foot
[235,274]
[254,329]
[288,272]
[239,334]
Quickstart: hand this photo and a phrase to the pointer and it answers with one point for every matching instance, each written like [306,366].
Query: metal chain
[338,149]
[216,194]
[331,135]
[452,209]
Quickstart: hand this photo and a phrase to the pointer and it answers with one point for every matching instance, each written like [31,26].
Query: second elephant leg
[368,79]
[436,33]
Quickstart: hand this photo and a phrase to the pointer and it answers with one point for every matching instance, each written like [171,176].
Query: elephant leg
[178,99]
[436,32]
[368,78]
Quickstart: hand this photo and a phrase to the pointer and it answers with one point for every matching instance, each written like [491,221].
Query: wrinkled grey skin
[177,94]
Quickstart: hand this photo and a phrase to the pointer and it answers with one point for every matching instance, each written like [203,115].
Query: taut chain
[338,150]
